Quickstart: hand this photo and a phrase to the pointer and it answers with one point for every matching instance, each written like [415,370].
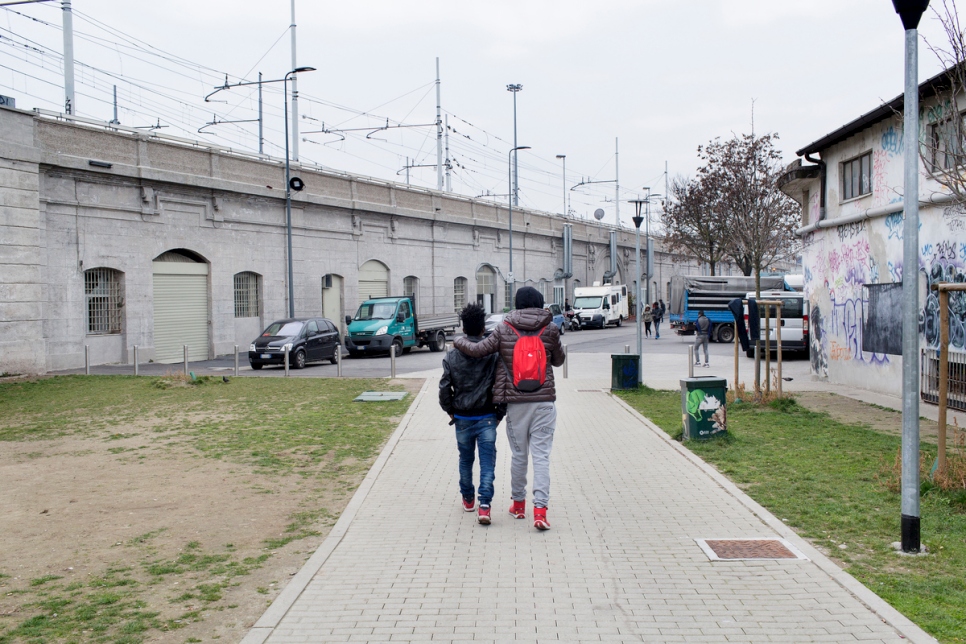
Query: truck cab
[379,324]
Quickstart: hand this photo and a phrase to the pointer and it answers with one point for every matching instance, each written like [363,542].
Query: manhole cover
[738,549]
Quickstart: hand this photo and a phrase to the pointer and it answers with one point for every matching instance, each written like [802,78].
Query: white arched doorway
[373,280]
[486,288]
[180,306]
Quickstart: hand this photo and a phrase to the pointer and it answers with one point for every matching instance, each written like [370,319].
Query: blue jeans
[469,434]
[657,328]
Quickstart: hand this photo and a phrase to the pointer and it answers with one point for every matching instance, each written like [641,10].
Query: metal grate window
[956,396]
[508,295]
[459,293]
[246,295]
[102,292]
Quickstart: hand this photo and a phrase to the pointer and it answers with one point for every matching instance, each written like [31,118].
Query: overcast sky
[663,77]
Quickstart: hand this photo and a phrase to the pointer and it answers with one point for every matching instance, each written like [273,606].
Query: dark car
[308,340]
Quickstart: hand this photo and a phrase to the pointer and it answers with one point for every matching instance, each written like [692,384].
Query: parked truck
[692,293]
[383,322]
[599,306]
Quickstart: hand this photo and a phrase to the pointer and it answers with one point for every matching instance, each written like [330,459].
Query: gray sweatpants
[700,340]
[529,429]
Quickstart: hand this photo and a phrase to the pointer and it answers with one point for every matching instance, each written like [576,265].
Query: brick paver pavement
[620,563]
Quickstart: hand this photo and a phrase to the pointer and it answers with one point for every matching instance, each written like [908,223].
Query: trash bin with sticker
[703,407]
[625,370]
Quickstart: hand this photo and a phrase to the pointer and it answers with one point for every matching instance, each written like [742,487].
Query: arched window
[411,286]
[459,293]
[486,288]
[104,298]
[247,295]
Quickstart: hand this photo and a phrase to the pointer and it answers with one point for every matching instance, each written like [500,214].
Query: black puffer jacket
[466,388]
[503,340]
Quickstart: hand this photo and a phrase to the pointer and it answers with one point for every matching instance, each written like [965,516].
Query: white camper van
[794,321]
[598,306]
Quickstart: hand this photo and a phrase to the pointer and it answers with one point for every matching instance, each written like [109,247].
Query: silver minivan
[794,321]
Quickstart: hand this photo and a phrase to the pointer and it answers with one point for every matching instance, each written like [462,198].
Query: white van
[794,312]
[598,306]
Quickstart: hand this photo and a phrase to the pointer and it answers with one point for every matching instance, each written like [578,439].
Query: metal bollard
[185,359]
[136,360]
[565,361]
[691,362]
[236,359]
[627,348]
[338,360]
[87,359]
[392,361]
[286,361]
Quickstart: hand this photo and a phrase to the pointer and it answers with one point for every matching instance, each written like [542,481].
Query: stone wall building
[852,228]
[113,237]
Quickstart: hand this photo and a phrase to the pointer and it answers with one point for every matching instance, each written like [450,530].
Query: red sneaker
[519,509]
[469,505]
[484,515]
[540,519]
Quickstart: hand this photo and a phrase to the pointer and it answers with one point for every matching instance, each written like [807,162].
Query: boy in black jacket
[466,394]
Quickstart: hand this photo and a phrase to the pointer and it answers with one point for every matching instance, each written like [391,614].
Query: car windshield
[587,303]
[284,329]
[493,320]
[376,311]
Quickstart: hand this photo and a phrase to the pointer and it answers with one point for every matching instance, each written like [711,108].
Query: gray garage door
[180,311]
[373,280]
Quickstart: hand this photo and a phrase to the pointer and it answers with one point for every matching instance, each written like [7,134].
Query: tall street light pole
[515,190]
[637,287]
[911,12]
[563,157]
[288,192]
[512,153]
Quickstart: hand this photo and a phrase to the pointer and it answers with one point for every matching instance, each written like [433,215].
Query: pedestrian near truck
[527,343]
[466,394]
[702,330]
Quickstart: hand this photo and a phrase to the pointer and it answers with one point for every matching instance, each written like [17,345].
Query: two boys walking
[507,373]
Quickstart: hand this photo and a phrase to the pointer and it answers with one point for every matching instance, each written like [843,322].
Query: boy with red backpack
[528,343]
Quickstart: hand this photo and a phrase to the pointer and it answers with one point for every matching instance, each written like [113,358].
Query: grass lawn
[144,505]
[835,485]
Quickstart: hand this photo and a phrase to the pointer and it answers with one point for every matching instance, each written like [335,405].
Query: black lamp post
[511,153]
[638,220]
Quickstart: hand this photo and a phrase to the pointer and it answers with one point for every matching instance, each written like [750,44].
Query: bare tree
[759,220]
[943,143]
[692,223]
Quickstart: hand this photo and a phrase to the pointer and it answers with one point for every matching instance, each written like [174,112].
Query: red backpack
[529,361]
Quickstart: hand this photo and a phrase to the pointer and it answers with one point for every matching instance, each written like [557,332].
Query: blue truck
[693,293]
[384,322]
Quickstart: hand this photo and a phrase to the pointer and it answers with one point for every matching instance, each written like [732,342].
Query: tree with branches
[692,223]
[758,220]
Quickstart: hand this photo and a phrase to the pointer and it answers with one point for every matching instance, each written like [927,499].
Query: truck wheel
[438,343]
[726,334]
[620,321]
[398,343]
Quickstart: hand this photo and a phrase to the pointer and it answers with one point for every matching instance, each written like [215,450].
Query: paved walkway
[620,564]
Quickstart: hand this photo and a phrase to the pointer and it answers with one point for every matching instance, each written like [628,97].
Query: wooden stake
[778,332]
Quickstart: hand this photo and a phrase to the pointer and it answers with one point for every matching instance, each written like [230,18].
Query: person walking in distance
[656,315]
[647,319]
[466,394]
[702,329]
[527,343]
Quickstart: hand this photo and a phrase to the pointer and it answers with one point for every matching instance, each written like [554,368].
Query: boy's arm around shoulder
[479,349]
[446,388]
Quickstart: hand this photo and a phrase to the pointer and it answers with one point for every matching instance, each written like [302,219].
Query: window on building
[459,293]
[508,295]
[946,141]
[857,177]
[411,286]
[246,295]
[104,299]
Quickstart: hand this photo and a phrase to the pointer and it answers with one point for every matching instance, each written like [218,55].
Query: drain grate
[741,549]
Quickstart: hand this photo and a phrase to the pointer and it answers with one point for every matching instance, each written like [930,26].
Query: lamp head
[299,70]
[638,220]
[514,87]
[561,156]
[910,11]
[520,147]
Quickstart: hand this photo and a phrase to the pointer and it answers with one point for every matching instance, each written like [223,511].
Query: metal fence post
[236,359]
[392,361]
[338,360]
[136,360]
[286,361]
[691,362]
[627,348]
[566,356]
[185,359]
[87,359]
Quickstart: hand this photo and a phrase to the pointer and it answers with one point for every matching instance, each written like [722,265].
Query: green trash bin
[625,371]
[703,403]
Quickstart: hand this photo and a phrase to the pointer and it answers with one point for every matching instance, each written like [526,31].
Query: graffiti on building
[895,271]
[848,231]
[942,269]
[892,141]
[893,224]
[818,349]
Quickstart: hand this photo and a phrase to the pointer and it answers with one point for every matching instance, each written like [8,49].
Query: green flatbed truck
[383,322]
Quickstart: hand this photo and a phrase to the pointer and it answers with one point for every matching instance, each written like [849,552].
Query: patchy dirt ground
[167,530]
[855,412]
